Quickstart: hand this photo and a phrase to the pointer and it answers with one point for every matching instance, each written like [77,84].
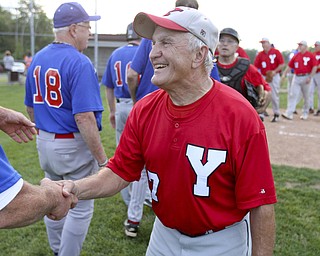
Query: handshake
[61,196]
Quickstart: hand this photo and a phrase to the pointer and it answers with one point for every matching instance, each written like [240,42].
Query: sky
[284,22]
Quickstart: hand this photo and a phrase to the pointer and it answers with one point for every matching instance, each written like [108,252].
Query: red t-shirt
[317,55]
[207,162]
[302,63]
[268,61]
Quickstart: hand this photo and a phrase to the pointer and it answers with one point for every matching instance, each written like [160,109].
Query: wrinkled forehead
[164,33]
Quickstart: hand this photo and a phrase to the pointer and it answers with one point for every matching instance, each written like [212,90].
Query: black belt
[117,100]
[302,74]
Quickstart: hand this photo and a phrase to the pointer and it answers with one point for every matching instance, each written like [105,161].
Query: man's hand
[262,98]
[16,125]
[265,103]
[62,199]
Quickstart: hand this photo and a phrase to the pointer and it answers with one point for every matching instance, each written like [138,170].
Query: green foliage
[252,53]
[297,210]
[6,24]
[15,29]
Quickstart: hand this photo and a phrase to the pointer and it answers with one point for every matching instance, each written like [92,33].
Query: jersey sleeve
[254,181]
[10,181]
[314,60]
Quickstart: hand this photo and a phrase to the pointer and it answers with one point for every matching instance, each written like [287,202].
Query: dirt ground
[294,143]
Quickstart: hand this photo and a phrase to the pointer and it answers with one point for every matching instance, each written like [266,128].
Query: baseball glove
[252,95]
[269,76]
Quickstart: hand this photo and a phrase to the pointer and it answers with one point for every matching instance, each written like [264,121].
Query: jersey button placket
[176,126]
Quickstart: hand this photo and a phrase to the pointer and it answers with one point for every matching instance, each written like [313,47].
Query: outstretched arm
[103,184]
[33,202]
[16,125]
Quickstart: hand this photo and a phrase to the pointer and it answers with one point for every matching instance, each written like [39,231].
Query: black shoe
[275,119]
[317,113]
[295,112]
[311,111]
[130,229]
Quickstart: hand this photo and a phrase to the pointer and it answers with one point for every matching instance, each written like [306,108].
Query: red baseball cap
[183,19]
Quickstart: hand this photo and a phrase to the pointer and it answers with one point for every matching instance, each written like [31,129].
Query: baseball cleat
[131,230]
[286,116]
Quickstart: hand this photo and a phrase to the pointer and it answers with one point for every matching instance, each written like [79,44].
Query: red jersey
[303,63]
[207,162]
[268,61]
[317,56]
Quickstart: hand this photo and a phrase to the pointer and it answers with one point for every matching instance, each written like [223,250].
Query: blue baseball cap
[71,13]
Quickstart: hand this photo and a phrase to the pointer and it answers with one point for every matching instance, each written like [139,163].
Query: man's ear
[200,56]
[72,30]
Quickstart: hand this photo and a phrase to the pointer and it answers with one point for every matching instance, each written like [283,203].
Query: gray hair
[194,44]
[57,30]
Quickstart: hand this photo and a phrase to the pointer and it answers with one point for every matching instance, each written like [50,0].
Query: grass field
[297,210]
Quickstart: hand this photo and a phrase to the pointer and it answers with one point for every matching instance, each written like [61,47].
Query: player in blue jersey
[63,99]
[22,203]
[117,91]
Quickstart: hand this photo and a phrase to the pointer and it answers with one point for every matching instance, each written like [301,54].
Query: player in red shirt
[271,60]
[305,67]
[198,140]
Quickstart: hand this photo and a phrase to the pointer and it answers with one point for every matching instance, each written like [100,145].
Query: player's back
[60,83]
[115,75]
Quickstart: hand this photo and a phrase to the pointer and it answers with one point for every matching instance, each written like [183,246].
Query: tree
[15,29]
[6,24]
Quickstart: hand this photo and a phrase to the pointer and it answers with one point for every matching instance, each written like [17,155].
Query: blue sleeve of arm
[214,73]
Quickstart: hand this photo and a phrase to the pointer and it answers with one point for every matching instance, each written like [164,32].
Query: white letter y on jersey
[214,159]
